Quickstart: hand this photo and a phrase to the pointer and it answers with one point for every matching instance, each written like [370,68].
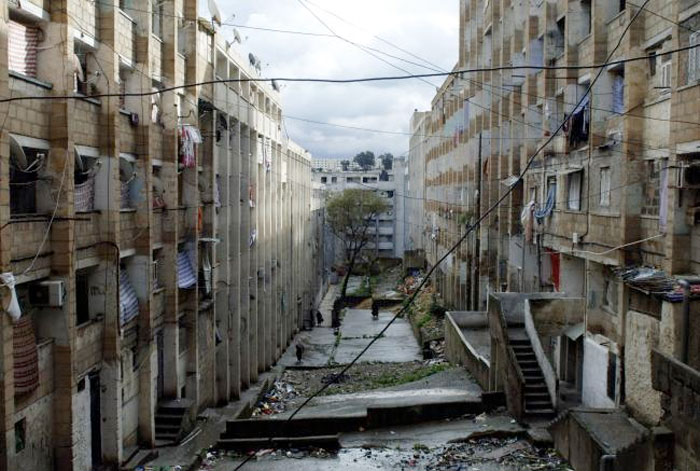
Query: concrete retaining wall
[459,350]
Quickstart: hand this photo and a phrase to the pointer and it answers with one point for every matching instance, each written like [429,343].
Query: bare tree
[350,215]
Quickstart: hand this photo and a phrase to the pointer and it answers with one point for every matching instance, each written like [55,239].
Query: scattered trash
[275,401]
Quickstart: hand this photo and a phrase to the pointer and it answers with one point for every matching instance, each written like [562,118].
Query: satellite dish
[17,154]
[215,12]
[252,59]
[237,36]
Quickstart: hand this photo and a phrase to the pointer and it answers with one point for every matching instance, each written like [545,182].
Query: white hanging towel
[12,308]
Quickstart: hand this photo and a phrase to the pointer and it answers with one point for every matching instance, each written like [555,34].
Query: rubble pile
[508,453]
[275,400]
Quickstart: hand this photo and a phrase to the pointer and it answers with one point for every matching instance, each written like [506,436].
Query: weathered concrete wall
[642,335]
[38,451]
[595,378]
[82,460]
[130,406]
[680,386]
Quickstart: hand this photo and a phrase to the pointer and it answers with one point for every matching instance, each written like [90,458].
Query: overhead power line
[456,246]
[388,78]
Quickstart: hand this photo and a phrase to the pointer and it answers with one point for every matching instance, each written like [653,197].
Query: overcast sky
[428,29]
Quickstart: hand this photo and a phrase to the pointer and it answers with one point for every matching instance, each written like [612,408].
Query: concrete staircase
[538,404]
[172,420]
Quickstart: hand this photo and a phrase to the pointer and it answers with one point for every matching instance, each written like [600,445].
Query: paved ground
[356,331]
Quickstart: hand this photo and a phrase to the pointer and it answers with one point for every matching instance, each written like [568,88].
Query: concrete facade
[235,219]
[613,189]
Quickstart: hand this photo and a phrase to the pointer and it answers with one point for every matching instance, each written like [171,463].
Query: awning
[574,332]
[84,151]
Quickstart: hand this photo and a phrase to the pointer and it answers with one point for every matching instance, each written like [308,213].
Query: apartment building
[388,227]
[607,208]
[156,236]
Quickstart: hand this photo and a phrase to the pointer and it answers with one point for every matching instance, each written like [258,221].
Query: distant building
[388,228]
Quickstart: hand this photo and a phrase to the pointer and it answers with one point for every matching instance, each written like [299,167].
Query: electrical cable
[456,245]
[386,78]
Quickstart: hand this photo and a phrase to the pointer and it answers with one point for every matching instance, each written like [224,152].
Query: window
[22,48]
[552,190]
[605,175]
[694,58]
[324,179]
[20,435]
[651,188]
[559,39]
[574,185]
[157,25]
[80,69]
[82,290]
[652,63]
[665,78]
[618,90]
[334,180]
[586,13]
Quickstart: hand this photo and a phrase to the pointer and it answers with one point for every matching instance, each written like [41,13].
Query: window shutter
[22,48]
[693,62]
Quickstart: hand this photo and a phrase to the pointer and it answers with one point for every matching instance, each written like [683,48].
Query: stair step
[167,428]
[540,412]
[515,342]
[322,441]
[528,363]
[537,405]
[536,396]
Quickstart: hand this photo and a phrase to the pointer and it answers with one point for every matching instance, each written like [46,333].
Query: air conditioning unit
[689,176]
[47,293]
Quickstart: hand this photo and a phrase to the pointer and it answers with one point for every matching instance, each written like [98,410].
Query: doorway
[95,420]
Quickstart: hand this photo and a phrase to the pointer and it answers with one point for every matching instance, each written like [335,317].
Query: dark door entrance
[95,419]
[160,385]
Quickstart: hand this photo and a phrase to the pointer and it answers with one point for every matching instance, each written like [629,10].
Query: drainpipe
[686,320]
[606,462]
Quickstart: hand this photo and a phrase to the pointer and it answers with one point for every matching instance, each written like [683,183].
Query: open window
[617,78]
[28,185]
[573,183]
[81,69]
[87,164]
[90,295]
[158,189]
[127,178]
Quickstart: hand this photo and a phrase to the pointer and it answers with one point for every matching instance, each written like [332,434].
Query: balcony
[156,52]
[126,38]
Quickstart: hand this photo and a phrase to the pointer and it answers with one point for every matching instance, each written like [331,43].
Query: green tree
[387,161]
[350,214]
[345,164]
[365,159]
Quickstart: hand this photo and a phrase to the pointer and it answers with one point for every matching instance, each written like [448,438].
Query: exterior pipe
[606,462]
[686,319]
